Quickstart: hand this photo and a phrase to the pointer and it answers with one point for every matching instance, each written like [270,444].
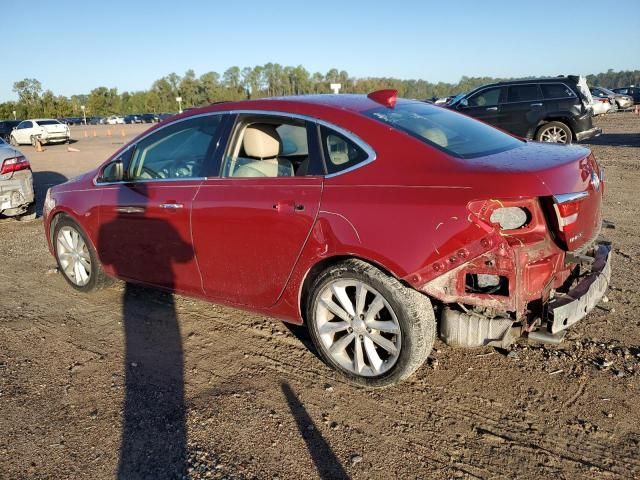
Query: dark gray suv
[545,109]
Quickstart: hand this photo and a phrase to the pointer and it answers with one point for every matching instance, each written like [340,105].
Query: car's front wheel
[369,326]
[554,132]
[76,257]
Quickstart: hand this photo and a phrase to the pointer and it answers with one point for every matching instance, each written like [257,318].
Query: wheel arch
[557,118]
[325,263]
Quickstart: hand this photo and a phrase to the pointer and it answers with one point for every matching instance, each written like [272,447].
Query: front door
[251,223]
[145,232]
[484,105]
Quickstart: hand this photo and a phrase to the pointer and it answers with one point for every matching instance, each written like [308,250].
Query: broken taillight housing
[14,164]
[567,207]
[510,218]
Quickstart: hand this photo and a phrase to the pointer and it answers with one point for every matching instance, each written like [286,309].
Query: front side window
[340,152]
[523,93]
[270,147]
[556,90]
[455,134]
[177,151]
[485,98]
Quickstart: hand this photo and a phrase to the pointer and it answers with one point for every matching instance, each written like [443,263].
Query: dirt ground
[137,384]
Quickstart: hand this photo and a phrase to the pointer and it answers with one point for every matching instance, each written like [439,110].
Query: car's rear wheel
[554,132]
[76,257]
[369,326]
[12,141]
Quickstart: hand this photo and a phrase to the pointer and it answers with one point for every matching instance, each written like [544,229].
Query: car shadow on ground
[42,181]
[301,332]
[615,140]
[154,438]
[324,459]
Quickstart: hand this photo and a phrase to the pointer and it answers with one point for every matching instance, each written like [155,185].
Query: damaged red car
[377,221]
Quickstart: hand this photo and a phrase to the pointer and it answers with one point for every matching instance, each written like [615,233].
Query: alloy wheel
[73,255]
[553,134]
[358,328]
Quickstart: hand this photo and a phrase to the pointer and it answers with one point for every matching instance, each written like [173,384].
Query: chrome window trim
[569,197]
[371,153]
[131,145]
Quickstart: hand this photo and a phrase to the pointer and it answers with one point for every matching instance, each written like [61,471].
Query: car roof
[354,103]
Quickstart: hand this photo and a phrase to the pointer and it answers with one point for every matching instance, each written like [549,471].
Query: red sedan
[376,221]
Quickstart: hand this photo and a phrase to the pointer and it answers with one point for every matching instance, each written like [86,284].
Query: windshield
[455,134]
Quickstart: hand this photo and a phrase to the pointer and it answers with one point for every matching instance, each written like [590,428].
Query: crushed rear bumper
[587,134]
[571,307]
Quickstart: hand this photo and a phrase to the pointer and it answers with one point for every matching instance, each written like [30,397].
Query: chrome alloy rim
[358,327]
[73,255]
[554,135]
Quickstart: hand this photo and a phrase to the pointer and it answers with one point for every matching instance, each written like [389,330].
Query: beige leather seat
[262,142]
[435,135]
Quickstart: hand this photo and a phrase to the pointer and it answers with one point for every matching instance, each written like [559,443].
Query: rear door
[522,109]
[252,221]
[484,105]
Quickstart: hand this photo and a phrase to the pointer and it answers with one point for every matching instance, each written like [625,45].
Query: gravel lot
[143,385]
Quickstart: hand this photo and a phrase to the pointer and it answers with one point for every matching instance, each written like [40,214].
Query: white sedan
[47,130]
[114,120]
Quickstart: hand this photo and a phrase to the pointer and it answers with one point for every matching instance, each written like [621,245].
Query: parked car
[47,130]
[96,120]
[16,184]
[601,106]
[114,120]
[133,119]
[619,100]
[150,117]
[72,120]
[353,214]
[164,116]
[6,126]
[632,91]
[556,110]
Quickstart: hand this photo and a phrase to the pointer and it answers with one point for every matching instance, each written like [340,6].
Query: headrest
[261,141]
[434,135]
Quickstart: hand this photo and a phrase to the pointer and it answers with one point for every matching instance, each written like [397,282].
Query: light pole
[84,114]
[179,100]
[14,115]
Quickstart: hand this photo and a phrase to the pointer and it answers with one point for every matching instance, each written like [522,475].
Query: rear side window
[455,134]
[48,122]
[340,153]
[556,90]
[523,93]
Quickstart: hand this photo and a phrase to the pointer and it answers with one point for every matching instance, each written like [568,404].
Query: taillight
[567,207]
[14,164]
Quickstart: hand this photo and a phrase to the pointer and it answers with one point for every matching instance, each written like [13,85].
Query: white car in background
[114,120]
[47,130]
[602,105]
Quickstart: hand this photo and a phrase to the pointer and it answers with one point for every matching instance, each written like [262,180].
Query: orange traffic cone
[122,132]
[108,132]
[39,146]
[94,133]
[637,110]
[84,132]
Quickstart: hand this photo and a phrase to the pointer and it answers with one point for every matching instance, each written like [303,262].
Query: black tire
[412,309]
[12,141]
[97,278]
[545,132]
[33,142]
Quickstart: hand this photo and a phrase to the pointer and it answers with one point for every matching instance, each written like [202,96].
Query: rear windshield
[451,132]
[48,122]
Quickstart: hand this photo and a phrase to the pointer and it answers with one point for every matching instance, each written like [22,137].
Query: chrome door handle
[171,206]
[129,209]
[536,104]
[492,109]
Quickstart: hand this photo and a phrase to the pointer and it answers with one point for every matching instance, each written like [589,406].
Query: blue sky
[74,46]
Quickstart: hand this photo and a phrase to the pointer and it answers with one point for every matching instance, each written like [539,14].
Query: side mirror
[112,172]
[463,103]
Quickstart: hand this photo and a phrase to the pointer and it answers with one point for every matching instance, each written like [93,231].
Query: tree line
[235,83]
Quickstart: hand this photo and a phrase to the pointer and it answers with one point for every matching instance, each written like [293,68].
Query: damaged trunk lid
[566,178]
